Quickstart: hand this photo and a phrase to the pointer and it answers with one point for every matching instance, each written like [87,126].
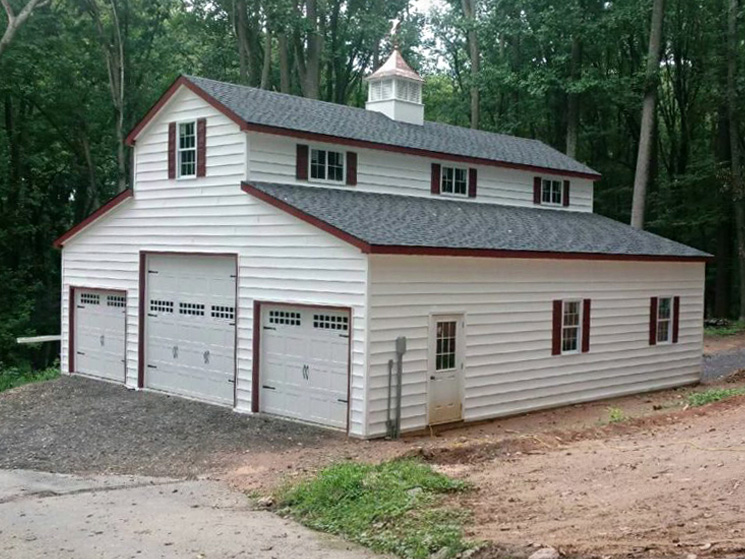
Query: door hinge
[268,387]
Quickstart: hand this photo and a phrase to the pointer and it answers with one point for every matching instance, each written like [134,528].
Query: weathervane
[395,28]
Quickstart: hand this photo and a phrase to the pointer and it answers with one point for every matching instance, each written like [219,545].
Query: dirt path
[661,487]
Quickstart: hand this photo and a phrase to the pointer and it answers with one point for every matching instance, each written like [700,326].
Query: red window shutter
[202,147]
[435,182]
[556,336]
[172,150]
[351,168]
[536,190]
[565,198]
[301,163]
[472,182]
[586,325]
[653,321]
[676,320]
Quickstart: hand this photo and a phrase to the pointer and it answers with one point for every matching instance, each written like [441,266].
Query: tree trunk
[734,146]
[267,66]
[16,21]
[573,99]
[469,11]
[312,78]
[649,104]
[284,63]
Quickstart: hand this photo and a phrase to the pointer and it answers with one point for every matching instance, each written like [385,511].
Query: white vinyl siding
[508,315]
[272,159]
[280,258]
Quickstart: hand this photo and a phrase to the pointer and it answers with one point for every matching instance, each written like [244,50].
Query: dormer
[395,90]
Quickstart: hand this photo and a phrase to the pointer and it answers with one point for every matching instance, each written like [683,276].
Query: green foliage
[15,376]
[713,395]
[616,415]
[731,329]
[394,507]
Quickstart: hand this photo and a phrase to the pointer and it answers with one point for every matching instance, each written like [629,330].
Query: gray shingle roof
[395,220]
[269,108]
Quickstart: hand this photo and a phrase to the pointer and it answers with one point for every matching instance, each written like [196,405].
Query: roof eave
[185,82]
[369,248]
[95,216]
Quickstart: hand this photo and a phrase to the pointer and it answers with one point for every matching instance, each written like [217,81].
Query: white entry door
[446,369]
[100,319]
[304,364]
[190,326]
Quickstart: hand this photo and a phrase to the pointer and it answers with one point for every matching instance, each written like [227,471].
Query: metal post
[400,350]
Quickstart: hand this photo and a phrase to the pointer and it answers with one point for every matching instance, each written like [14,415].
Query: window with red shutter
[586,325]
[472,182]
[201,147]
[536,190]
[301,162]
[172,150]
[351,168]
[435,179]
[565,201]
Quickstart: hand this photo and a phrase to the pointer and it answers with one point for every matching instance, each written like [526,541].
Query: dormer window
[454,180]
[187,149]
[551,192]
[326,165]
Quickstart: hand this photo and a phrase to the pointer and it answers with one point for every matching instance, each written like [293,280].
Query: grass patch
[395,507]
[730,330]
[696,399]
[15,376]
[616,415]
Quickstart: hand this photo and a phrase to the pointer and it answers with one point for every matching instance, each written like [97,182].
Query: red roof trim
[495,253]
[170,92]
[183,81]
[465,252]
[413,151]
[292,210]
[99,213]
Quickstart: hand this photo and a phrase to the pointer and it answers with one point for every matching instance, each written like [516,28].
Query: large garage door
[100,318]
[190,326]
[304,364]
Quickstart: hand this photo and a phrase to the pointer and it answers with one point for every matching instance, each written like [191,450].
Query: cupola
[395,90]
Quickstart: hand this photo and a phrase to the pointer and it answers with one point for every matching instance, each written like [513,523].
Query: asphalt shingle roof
[410,221]
[269,108]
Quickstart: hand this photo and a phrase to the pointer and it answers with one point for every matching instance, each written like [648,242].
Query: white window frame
[670,320]
[455,168]
[580,309]
[548,181]
[180,150]
[311,178]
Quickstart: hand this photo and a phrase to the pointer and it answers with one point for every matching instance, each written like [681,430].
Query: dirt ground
[666,481]
[717,344]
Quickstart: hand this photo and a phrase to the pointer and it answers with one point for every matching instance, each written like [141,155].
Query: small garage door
[100,318]
[304,364]
[190,326]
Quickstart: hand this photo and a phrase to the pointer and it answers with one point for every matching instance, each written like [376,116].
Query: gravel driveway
[720,364]
[78,425]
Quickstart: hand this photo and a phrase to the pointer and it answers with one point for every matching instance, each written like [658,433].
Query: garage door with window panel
[304,366]
[100,325]
[190,326]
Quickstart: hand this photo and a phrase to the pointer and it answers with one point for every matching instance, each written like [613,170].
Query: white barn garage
[273,248]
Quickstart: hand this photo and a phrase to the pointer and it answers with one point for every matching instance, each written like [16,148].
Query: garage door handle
[152,367]
[432,377]
[153,315]
[268,387]
[269,328]
[81,306]
[80,353]
[231,380]
[342,401]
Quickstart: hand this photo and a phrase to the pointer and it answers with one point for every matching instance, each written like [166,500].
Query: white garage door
[190,326]
[304,364]
[100,318]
